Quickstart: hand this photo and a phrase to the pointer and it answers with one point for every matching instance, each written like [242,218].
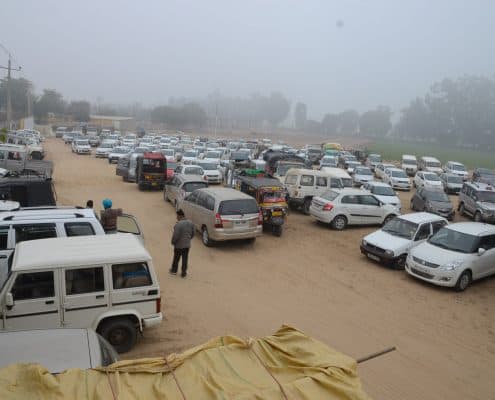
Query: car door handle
[100,296]
[49,302]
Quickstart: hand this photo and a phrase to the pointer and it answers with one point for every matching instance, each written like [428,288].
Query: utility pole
[9,101]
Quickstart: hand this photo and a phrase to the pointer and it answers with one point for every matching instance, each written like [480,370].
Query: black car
[434,201]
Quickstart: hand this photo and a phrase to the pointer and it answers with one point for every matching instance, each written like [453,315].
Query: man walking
[181,240]
[108,216]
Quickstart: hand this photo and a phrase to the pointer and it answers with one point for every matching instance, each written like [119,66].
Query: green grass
[393,150]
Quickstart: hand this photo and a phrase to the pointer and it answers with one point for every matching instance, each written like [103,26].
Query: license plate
[277,213]
[373,257]
[240,223]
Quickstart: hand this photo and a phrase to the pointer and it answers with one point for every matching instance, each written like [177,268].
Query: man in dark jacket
[181,240]
[108,216]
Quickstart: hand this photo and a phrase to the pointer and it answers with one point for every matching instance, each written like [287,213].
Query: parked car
[430,164]
[452,183]
[340,174]
[409,164]
[104,149]
[427,179]
[391,244]
[81,146]
[212,157]
[180,186]
[117,153]
[484,175]
[455,256]
[328,161]
[380,169]
[211,172]
[362,175]
[223,214]
[351,165]
[343,207]
[477,200]
[189,156]
[456,168]
[68,137]
[56,349]
[94,140]
[433,201]
[60,131]
[397,178]
[383,192]
[104,282]
[373,160]
[189,170]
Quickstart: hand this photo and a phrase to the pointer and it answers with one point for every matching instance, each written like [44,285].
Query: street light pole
[9,101]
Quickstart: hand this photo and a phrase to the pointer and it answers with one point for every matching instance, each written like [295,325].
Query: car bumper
[454,190]
[101,155]
[320,215]
[488,218]
[220,235]
[150,322]
[431,275]
[214,179]
[378,256]
[446,214]
[294,201]
[401,186]
[86,151]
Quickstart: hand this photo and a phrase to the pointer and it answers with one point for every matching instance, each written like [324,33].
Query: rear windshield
[347,182]
[235,207]
[150,165]
[240,156]
[330,195]
[191,186]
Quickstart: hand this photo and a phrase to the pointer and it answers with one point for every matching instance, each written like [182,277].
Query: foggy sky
[384,52]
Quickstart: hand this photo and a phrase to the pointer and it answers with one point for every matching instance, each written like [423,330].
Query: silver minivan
[180,186]
[223,214]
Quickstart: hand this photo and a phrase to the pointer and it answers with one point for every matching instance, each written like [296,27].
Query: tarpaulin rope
[273,376]
[175,378]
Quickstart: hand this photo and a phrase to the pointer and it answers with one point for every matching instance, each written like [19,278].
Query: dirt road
[313,278]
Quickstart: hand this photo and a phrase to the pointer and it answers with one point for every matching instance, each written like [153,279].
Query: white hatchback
[428,180]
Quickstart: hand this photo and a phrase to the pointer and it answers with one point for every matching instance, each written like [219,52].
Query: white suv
[455,256]
[343,207]
[456,168]
[391,244]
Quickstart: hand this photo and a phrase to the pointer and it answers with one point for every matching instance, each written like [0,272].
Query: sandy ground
[314,279]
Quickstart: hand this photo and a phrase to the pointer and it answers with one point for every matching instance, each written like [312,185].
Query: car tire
[414,184]
[305,206]
[176,205]
[401,262]
[121,333]
[412,206]
[339,223]
[462,209]
[205,237]
[477,217]
[464,281]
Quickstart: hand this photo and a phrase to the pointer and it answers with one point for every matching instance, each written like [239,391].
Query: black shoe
[172,272]
[183,274]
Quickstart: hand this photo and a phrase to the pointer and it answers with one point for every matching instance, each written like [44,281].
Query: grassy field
[471,158]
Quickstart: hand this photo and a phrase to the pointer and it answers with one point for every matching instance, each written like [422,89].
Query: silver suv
[477,200]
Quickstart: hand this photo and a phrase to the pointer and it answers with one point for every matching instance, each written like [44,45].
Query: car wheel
[205,237]
[388,218]
[477,217]
[414,184]
[305,206]
[463,282]
[121,333]
[401,262]
[176,205]
[462,209]
[339,223]
[412,206]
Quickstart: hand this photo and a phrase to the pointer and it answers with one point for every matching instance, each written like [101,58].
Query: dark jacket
[183,233]
[108,218]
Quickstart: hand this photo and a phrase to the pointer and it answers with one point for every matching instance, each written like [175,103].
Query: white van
[409,164]
[303,184]
[339,173]
[41,223]
[430,164]
[105,282]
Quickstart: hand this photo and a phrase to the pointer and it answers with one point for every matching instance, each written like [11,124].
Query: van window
[235,207]
[291,179]
[335,183]
[4,236]
[84,280]
[33,285]
[321,181]
[24,233]
[130,275]
[307,180]
[79,229]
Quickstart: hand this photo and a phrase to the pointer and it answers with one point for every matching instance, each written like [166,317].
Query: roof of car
[378,183]
[481,186]
[191,178]
[352,192]
[394,169]
[408,156]
[421,217]
[455,162]
[473,228]
[429,158]
[78,250]
[225,193]
[47,212]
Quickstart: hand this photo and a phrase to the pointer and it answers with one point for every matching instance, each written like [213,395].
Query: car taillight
[158,305]
[260,218]
[328,207]
[218,221]
[205,177]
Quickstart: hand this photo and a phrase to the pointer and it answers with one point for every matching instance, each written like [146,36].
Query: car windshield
[451,239]
[454,179]
[409,162]
[190,154]
[208,166]
[458,167]
[382,191]
[399,174]
[106,146]
[485,171]
[375,158]
[193,171]
[151,165]
[167,152]
[212,154]
[314,151]
[436,195]
[329,195]
[283,168]
[239,155]
[275,196]
[82,143]
[329,160]
[486,196]
[432,177]
[241,206]
[433,164]
[402,228]
[120,150]
[191,186]
[347,182]
[363,171]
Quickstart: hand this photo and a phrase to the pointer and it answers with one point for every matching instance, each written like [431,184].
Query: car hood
[441,205]
[487,206]
[454,185]
[433,183]
[387,241]
[437,255]
[388,199]
[402,180]
[363,177]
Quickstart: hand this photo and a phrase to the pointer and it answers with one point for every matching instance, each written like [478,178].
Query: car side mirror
[9,301]
[481,251]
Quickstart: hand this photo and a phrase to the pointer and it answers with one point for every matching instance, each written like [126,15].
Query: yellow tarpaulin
[286,365]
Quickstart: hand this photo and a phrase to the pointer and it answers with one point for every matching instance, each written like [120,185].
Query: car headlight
[389,252]
[365,243]
[451,266]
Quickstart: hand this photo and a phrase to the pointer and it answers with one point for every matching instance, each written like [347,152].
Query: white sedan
[427,179]
[397,178]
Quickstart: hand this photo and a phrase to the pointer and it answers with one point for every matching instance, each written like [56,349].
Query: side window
[291,179]
[436,226]
[335,183]
[210,203]
[423,232]
[307,180]
[321,181]
[350,200]
[34,285]
[2,155]
[79,229]
[474,195]
[368,200]
[488,242]
[4,237]
[192,197]
[84,280]
[34,231]
[130,275]
[201,200]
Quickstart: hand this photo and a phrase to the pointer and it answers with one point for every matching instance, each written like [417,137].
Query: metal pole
[9,104]
[374,355]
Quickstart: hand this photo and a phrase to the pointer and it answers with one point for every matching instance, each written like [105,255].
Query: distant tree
[19,89]
[313,126]
[50,101]
[375,122]
[276,108]
[330,124]
[348,122]
[300,115]
[179,117]
[79,110]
